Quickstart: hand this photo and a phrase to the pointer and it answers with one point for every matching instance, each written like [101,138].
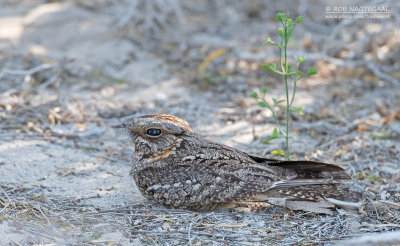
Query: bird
[177,167]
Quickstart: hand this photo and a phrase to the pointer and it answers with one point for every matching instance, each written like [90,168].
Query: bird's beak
[123,125]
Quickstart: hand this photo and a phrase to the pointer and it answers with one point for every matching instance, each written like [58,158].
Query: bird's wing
[307,170]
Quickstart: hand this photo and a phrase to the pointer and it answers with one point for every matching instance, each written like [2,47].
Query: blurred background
[71,69]
[66,65]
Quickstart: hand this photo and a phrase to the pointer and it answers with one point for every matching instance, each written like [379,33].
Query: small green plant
[96,235]
[99,75]
[284,70]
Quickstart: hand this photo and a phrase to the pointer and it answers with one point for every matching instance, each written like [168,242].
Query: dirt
[72,70]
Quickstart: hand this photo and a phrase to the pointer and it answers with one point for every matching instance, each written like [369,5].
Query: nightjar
[177,167]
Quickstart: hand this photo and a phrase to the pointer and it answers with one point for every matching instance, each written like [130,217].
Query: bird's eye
[153,132]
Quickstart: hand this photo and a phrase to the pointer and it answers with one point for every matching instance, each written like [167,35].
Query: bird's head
[156,134]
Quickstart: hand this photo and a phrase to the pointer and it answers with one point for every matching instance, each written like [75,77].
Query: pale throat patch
[165,153]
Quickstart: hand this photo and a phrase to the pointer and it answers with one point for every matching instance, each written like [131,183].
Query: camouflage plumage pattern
[181,169]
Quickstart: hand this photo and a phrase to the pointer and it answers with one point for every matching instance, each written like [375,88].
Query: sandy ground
[64,171]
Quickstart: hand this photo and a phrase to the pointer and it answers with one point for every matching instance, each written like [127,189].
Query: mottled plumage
[177,167]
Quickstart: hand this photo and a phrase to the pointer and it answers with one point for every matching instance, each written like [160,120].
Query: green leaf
[289,32]
[96,235]
[300,73]
[312,71]
[254,95]
[116,80]
[281,33]
[299,110]
[280,16]
[262,104]
[374,177]
[275,133]
[282,136]
[289,69]
[269,41]
[299,19]
[269,67]
[278,152]
[95,74]
[266,141]
[264,90]
[380,136]
[276,102]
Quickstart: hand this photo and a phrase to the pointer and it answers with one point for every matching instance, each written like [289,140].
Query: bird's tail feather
[320,198]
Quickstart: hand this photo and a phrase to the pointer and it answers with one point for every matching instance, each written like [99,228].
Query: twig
[26,72]
[189,237]
[14,242]
[391,204]
[8,203]
[41,211]
[375,69]
[376,210]
[48,82]
[40,234]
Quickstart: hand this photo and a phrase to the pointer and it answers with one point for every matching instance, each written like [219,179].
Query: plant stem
[280,59]
[280,53]
[277,122]
[287,97]
[294,91]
